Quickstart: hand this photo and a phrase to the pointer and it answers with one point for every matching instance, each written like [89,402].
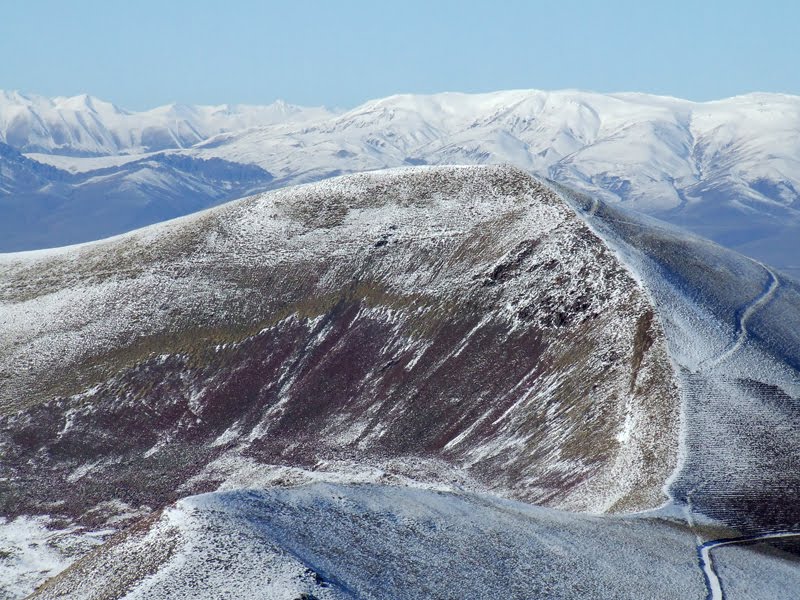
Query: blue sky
[143,53]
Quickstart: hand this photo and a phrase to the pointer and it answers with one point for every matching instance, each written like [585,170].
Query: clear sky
[143,53]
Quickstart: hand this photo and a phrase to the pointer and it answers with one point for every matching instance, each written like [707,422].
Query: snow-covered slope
[465,292]
[733,326]
[86,126]
[451,326]
[374,542]
[446,329]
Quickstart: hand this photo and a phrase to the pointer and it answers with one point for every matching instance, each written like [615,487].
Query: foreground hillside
[455,327]
[344,542]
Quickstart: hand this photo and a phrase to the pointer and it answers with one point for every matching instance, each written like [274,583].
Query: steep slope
[733,327]
[450,325]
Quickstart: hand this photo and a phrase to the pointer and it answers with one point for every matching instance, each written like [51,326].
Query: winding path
[713,584]
[704,550]
[741,328]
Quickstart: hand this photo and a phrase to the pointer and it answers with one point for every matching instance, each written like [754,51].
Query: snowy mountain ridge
[559,134]
[728,170]
[87,126]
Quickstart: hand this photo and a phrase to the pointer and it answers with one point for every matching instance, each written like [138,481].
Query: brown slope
[445,324]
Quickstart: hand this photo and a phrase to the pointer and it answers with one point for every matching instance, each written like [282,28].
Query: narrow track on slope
[713,583]
[742,332]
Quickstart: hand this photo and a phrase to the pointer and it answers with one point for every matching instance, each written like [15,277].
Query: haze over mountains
[729,170]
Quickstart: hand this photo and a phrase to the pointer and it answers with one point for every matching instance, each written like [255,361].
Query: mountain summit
[446,327]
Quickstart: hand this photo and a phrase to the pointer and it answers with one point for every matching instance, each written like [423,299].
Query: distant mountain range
[87,126]
[728,170]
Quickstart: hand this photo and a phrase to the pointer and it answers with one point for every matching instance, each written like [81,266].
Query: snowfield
[345,541]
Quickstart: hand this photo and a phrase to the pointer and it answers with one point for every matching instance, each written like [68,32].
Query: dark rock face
[489,339]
